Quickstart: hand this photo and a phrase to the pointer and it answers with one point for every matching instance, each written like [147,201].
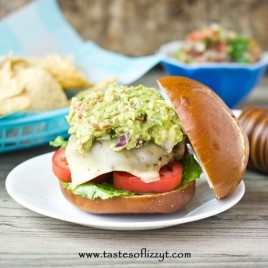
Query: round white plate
[33,185]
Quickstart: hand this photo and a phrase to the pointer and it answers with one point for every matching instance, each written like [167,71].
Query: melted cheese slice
[143,162]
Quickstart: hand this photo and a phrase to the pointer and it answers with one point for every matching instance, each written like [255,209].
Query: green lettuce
[191,169]
[103,190]
[59,142]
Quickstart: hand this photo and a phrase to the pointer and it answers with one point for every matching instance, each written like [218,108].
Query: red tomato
[60,168]
[102,178]
[170,178]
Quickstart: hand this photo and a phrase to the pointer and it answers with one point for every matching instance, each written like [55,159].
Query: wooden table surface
[235,238]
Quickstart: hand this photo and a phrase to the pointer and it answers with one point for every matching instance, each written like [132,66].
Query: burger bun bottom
[160,203]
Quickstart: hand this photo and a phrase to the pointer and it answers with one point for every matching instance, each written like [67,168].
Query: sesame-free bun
[137,204]
[215,134]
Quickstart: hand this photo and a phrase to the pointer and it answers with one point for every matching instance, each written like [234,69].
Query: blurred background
[139,27]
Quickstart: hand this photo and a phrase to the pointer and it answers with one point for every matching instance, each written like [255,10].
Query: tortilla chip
[102,85]
[44,91]
[12,65]
[10,88]
[14,104]
[9,84]
[64,71]
[19,64]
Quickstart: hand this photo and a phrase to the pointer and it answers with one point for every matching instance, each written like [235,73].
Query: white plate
[33,185]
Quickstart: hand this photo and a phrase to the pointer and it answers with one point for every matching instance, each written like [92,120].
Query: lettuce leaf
[191,169]
[59,142]
[90,190]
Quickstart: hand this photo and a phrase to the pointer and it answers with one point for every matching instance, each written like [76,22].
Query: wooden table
[235,238]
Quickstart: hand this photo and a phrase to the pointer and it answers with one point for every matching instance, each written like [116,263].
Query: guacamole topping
[131,116]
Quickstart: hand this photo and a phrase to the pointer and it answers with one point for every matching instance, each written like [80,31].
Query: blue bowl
[231,81]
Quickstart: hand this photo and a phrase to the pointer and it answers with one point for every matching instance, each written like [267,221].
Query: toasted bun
[214,132]
[138,204]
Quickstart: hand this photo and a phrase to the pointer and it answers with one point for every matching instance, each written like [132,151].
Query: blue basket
[26,130]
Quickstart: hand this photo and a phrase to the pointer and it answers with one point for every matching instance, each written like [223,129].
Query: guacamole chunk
[131,116]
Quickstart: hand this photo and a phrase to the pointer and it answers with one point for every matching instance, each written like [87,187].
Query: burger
[136,150]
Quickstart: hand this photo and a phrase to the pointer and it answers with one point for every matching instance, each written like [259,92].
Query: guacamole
[130,116]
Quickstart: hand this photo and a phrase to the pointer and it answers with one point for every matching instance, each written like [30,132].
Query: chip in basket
[14,104]
[9,84]
[44,91]
[64,71]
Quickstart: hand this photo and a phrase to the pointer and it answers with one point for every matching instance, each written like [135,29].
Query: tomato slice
[60,168]
[102,178]
[170,178]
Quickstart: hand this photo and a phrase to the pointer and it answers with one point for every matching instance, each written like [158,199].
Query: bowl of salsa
[230,63]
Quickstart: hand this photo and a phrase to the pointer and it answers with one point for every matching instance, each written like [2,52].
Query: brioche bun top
[214,132]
